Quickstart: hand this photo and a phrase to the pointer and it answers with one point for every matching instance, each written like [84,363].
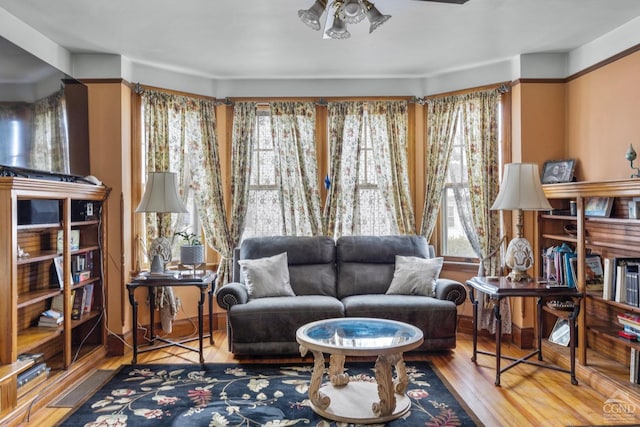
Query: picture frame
[560,334]
[58,263]
[556,171]
[598,206]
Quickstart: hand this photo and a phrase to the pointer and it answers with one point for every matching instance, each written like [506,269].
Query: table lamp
[161,196]
[521,190]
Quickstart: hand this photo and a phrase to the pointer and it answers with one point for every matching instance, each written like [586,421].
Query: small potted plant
[192,252]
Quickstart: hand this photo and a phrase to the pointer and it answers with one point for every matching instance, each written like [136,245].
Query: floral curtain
[157,109]
[243,138]
[442,116]
[389,123]
[206,182]
[480,134]
[293,128]
[50,147]
[345,122]
[479,131]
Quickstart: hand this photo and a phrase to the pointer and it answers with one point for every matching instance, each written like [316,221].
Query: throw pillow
[415,276]
[267,277]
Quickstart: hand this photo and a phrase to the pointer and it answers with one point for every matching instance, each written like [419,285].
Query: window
[183,126]
[455,206]
[454,239]
[372,217]
[263,206]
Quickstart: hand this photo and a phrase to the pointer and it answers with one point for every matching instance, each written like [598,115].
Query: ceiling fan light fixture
[352,11]
[311,16]
[374,16]
[338,30]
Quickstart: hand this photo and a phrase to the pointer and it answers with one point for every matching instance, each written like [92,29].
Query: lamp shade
[161,194]
[521,189]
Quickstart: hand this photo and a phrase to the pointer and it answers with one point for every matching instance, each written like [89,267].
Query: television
[26,84]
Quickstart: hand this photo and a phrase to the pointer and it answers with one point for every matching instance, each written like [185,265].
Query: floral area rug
[248,395]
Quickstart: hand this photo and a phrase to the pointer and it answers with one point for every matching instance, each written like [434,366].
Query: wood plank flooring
[528,395]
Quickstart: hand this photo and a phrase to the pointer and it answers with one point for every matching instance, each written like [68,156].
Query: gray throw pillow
[415,276]
[267,277]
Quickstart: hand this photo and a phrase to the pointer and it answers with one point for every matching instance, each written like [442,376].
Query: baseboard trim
[522,337]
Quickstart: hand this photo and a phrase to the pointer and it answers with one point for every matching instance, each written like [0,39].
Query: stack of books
[50,319]
[631,325]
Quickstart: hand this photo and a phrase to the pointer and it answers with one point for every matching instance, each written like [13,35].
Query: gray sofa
[347,277]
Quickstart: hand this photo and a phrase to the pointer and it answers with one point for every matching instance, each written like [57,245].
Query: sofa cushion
[436,318]
[267,277]
[277,319]
[366,263]
[415,276]
[311,260]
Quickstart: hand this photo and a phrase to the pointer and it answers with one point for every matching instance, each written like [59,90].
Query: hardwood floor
[528,395]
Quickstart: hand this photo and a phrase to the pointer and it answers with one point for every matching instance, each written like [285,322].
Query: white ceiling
[258,39]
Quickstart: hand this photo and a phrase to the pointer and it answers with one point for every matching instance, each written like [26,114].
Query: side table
[203,282]
[499,288]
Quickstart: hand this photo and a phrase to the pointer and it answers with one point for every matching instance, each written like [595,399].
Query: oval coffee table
[359,401]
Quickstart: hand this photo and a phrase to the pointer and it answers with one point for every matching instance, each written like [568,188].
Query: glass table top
[359,333]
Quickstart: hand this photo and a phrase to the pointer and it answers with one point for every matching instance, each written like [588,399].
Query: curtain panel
[50,140]
[293,126]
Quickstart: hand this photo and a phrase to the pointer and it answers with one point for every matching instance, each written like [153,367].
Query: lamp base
[519,258]
[518,276]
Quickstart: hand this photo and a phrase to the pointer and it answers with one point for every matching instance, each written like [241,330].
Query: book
[57,303]
[51,313]
[621,287]
[88,298]
[74,240]
[78,305]
[632,285]
[607,288]
[30,374]
[49,322]
[593,272]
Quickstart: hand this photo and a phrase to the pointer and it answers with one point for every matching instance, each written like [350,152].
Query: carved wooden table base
[359,401]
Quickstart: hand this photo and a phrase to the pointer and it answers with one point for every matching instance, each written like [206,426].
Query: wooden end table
[498,288]
[150,281]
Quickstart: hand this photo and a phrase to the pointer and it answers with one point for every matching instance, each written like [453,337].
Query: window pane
[455,242]
[264,210]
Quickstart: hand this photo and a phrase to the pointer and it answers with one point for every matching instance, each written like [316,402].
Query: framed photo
[555,171]
[598,206]
[560,333]
[59,267]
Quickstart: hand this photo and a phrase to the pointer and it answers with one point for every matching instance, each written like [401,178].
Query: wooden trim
[604,62]
[469,90]
[177,92]
[543,81]
[318,98]
[587,70]
[106,81]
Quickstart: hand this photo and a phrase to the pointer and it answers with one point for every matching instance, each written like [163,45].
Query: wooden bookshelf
[603,356]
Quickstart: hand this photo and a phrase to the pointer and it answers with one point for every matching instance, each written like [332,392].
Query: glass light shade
[375,17]
[338,30]
[352,11]
[311,16]
[161,194]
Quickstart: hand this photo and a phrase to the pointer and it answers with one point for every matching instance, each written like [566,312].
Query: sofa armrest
[231,294]
[450,290]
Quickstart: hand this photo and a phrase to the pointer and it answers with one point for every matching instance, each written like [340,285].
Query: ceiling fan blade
[448,1]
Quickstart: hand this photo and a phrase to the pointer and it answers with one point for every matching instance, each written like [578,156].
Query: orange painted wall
[603,118]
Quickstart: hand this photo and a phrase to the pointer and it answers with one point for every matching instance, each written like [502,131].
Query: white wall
[554,65]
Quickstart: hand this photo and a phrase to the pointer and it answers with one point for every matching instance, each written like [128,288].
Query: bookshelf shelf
[615,236]
[45,277]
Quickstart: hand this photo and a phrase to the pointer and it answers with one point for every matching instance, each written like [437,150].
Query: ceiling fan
[347,12]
